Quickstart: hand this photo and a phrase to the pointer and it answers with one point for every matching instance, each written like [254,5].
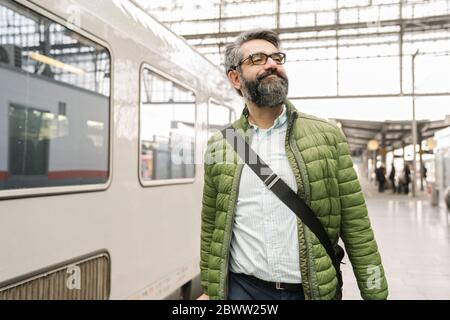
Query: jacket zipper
[304,193]
[225,267]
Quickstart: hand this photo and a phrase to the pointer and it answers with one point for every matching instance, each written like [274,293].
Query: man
[392,178]
[381,177]
[406,179]
[252,245]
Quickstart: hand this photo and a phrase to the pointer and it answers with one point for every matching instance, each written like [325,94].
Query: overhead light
[48,116]
[372,145]
[56,63]
[95,124]
[431,143]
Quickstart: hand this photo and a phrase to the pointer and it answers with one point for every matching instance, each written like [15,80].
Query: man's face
[265,85]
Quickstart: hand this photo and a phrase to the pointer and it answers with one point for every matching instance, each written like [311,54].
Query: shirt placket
[268,209]
[277,206]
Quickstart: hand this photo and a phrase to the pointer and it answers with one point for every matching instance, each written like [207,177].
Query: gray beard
[266,94]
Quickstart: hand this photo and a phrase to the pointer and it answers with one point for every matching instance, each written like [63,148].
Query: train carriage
[104,117]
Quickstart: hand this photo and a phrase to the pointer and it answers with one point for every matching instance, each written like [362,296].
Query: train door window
[32,141]
[219,117]
[167,130]
[54,105]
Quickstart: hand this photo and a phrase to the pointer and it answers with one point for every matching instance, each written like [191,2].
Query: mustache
[269,73]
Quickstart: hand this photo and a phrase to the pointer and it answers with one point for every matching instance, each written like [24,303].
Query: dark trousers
[381,185]
[241,287]
[393,185]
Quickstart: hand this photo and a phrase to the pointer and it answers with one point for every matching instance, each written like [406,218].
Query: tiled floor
[414,241]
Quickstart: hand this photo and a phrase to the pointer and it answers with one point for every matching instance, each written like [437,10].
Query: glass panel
[54,103]
[369,76]
[307,81]
[33,141]
[167,129]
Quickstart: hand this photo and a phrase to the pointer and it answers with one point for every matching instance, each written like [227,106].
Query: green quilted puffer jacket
[318,154]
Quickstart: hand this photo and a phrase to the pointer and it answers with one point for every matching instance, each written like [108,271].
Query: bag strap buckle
[271,180]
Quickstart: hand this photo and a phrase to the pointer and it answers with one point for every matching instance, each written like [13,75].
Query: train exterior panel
[147,227]
[442,164]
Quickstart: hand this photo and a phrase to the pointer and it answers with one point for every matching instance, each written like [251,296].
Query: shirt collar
[279,121]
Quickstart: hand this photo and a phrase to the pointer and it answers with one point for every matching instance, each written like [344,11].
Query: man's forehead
[257,45]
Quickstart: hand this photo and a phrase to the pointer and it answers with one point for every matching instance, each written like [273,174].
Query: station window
[54,103]
[219,117]
[167,129]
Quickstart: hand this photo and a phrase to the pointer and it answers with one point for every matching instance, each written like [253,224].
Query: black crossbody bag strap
[283,192]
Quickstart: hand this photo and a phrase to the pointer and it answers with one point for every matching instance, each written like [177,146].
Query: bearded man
[252,245]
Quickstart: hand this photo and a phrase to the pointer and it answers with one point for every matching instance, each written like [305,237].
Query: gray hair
[233,54]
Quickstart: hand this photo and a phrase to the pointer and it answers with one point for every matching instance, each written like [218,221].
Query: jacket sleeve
[207,224]
[356,231]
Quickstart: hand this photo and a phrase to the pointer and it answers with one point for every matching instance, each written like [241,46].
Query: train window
[167,130]
[54,103]
[219,117]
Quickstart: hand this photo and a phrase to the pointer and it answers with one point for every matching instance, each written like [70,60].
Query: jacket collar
[243,123]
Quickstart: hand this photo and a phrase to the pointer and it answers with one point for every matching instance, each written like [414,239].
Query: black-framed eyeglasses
[260,58]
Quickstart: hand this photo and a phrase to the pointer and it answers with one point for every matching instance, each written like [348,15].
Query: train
[104,119]
[441,168]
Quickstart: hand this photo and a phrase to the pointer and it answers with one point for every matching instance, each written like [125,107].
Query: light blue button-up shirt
[265,237]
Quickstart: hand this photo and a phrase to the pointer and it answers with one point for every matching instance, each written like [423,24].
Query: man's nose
[270,63]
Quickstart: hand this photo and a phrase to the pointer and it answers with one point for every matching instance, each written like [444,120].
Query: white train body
[149,230]
[442,165]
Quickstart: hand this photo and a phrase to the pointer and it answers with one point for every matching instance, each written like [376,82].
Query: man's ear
[233,76]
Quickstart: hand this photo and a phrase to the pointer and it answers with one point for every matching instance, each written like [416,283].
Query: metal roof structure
[310,29]
[338,49]
[390,134]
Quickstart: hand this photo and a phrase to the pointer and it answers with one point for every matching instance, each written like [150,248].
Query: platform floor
[414,241]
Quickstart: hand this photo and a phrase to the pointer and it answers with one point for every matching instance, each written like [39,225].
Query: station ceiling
[338,49]
[390,135]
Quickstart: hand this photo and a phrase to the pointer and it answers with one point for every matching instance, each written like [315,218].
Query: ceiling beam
[406,23]
[361,128]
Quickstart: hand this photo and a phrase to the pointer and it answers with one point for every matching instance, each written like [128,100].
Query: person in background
[381,178]
[406,179]
[392,178]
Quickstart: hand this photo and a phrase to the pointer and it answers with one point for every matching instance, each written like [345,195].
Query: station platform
[414,241]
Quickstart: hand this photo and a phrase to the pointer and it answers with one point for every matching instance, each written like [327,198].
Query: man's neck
[263,117]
